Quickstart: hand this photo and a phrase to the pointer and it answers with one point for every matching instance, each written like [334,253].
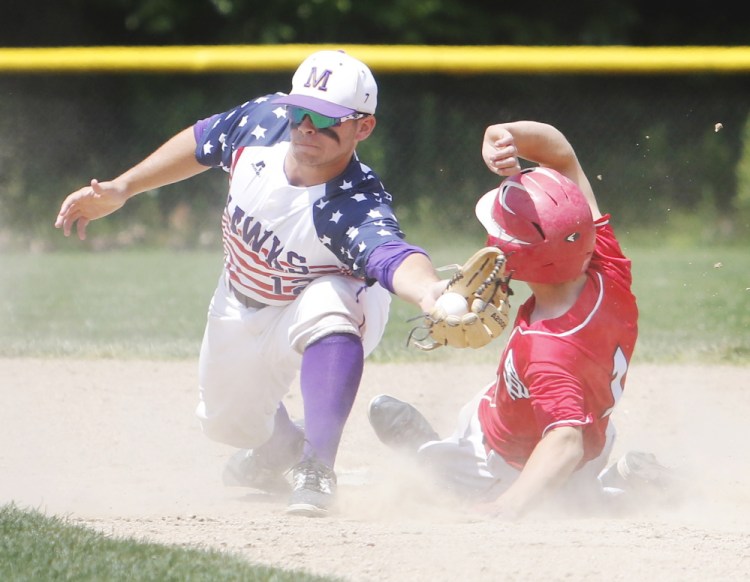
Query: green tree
[450,22]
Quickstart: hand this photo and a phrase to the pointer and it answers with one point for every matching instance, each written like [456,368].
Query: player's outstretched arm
[172,162]
[416,281]
[550,465]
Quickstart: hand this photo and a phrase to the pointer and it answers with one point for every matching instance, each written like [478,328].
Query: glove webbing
[491,278]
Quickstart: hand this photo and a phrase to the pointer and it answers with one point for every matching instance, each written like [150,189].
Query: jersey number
[619,369]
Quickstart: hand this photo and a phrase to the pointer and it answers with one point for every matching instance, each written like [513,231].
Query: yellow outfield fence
[450,60]
[662,131]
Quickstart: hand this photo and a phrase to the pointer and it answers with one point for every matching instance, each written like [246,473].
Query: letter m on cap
[318,82]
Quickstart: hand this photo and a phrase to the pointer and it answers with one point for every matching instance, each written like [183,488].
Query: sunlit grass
[36,547]
[694,305]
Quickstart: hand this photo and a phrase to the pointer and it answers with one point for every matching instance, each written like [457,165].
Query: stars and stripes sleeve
[354,222]
[257,122]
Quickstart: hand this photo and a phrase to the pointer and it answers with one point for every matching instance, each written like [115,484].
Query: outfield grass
[695,305]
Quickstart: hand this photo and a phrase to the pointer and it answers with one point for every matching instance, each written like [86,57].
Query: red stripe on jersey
[235,159]
[271,285]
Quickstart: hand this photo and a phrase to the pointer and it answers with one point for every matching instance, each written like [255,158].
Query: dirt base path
[115,446]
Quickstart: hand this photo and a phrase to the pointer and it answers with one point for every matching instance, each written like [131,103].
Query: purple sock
[329,379]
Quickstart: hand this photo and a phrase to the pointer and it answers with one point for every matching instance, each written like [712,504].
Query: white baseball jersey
[279,237]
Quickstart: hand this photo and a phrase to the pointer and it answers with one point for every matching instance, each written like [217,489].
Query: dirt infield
[115,446]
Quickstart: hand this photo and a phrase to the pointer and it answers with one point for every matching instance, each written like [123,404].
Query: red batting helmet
[542,222]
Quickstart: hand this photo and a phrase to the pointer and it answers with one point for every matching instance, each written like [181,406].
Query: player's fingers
[69,204]
[507,164]
[64,210]
[96,186]
[68,218]
[505,138]
[81,227]
[508,171]
[68,223]
[68,212]
[506,151]
[63,216]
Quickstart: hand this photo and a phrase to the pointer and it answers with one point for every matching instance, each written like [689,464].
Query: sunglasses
[297,114]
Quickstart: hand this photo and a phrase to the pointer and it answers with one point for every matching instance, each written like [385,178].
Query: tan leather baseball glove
[483,284]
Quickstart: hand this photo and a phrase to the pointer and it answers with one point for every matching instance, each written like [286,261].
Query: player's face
[328,150]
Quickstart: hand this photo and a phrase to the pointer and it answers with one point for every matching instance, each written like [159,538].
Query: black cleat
[399,425]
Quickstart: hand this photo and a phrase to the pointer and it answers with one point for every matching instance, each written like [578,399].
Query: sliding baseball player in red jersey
[543,425]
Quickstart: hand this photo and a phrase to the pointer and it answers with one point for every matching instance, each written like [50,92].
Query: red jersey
[567,371]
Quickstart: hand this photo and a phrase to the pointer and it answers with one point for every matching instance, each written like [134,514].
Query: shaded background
[450,22]
[651,143]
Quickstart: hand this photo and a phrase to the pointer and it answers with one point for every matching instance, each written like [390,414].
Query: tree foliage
[649,141]
[448,22]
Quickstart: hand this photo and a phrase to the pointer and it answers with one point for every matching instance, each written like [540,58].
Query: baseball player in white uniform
[312,252]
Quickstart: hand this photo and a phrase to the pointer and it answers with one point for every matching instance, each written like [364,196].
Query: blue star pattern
[355,216]
[258,123]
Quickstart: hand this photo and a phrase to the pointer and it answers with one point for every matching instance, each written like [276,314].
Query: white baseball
[452,304]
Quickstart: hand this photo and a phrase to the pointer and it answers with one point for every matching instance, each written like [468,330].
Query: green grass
[36,548]
[694,304]
[118,304]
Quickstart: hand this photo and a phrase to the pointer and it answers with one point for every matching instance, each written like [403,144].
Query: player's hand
[499,152]
[434,291]
[89,203]
[498,510]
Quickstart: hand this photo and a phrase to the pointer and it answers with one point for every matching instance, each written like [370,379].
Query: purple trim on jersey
[200,127]
[386,258]
[354,216]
